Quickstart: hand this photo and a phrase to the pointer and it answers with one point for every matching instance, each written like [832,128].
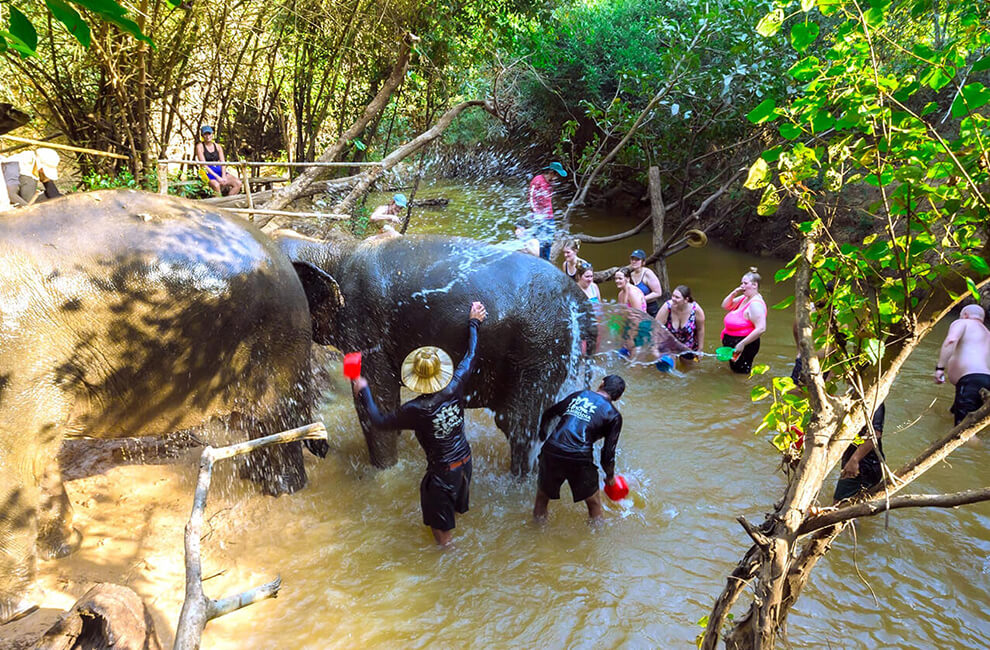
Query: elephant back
[152,312]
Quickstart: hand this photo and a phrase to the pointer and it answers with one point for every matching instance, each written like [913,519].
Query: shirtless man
[965,360]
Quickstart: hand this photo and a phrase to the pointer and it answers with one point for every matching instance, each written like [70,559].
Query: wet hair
[573,244]
[614,385]
[752,275]
[624,270]
[685,291]
[584,267]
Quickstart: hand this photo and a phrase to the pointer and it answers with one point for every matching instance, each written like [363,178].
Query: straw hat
[696,238]
[48,160]
[427,370]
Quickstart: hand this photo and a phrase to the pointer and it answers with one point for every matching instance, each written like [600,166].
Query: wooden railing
[244,167]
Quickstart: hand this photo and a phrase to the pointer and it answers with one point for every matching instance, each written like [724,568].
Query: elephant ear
[324,297]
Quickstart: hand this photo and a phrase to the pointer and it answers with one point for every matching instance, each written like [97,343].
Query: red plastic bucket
[618,490]
[352,365]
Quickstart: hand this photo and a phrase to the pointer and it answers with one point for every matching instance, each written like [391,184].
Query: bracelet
[937,368]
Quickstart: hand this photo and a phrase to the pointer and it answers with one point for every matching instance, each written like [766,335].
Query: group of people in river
[436,416]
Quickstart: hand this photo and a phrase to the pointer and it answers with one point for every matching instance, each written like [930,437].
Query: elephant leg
[18,537]
[56,536]
[277,469]
[383,446]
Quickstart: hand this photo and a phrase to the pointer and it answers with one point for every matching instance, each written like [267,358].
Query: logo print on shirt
[446,420]
[582,408]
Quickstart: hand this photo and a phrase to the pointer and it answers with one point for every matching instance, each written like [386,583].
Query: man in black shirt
[437,417]
[585,417]
[862,465]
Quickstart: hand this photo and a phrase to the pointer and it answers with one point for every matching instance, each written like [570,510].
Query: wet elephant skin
[132,314]
[403,293]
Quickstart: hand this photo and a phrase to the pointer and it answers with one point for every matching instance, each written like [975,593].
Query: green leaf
[759,175]
[972,97]
[784,274]
[763,111]
[770,24]
[874,349]
[759,369]
[828,7]
[16,44]
[790,131]
[758,393]
[803,35]
[972,288]
[769,202]
[103,7]
[786,302]
[938,76]
[73,22]
[360,146]
[807,5]
[783,384]
[982,64]
[806,69]
[22,28]
[978,263]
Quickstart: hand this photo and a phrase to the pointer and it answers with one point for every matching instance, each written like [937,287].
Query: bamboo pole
[283,213]
[247,187]
[255,163]
[64,147]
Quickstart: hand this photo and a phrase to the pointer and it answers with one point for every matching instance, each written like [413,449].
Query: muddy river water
[360,570]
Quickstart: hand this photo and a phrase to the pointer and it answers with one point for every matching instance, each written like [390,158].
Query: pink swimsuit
[736,321]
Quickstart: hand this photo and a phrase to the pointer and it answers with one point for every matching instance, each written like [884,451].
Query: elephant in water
[386,297]
[132,314]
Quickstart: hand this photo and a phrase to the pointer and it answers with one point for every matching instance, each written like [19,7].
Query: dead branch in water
[198,609]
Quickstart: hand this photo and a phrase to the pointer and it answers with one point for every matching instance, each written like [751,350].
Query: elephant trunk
[383,448]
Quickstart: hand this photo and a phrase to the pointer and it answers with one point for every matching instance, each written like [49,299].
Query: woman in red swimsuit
[745,321]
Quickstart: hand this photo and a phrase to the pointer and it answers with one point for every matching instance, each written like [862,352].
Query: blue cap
[205,129]
[638,253]
[557,167]
[400,200]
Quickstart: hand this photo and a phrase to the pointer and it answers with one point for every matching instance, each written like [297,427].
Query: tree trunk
[658,213]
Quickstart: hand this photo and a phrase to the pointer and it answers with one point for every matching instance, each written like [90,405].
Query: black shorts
[744,363]
[968,394]
[581,475]
[444,492]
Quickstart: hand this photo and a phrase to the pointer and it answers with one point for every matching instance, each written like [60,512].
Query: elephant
[124,313]
[388,296]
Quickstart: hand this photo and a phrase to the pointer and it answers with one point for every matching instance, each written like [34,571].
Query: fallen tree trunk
[197,608]
[404,151]
[106,616]
[286,195]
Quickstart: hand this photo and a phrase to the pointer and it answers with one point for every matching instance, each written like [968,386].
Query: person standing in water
[386,217]
[684,319]
[437,418]
[745,321]
[965,360]
[646,280]
[541,202]
[586,280]
[572,263]
[568,453]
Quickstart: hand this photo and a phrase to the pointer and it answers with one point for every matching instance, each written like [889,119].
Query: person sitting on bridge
[221,181]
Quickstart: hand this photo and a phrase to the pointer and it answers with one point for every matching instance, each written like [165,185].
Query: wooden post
[659,214]
[247,188]
[162,177]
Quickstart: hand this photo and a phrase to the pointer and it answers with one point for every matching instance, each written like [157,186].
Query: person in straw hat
[437,417]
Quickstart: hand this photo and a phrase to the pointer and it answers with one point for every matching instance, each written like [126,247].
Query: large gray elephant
[132,314]
[386,297]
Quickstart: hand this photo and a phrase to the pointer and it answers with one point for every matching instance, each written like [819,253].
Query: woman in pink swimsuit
[745,321]
[629,294]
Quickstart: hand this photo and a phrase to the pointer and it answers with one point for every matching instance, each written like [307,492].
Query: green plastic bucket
[724,353]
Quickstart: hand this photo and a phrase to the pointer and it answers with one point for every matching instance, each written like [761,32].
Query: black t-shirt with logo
[585,417]
[436,418]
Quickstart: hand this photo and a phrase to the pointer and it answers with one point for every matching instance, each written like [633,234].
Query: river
[360,570]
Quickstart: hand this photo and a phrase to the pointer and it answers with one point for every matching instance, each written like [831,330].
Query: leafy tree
[896,101]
